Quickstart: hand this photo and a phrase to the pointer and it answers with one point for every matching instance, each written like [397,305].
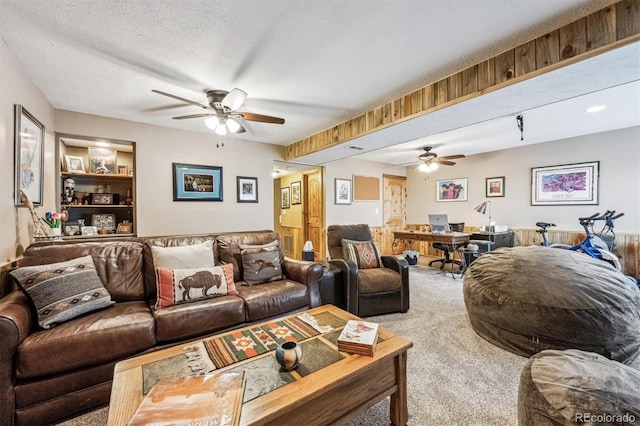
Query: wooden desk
[447,238]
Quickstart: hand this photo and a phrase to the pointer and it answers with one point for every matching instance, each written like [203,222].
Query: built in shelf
[93,206]
[97,175]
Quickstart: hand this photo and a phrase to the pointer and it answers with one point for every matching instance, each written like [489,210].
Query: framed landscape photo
[343,191]
[102,161]
[247,189]
[495,186]
[568,184]
[74,164]
[451,189]
[296,193]
[285,198]
[193,182]
[29,156]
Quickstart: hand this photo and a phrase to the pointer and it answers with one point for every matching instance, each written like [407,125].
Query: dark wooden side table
[332,287]
[501,239]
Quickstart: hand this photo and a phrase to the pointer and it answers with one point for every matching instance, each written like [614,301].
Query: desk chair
[448,248]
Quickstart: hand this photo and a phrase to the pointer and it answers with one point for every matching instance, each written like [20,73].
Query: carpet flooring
[454,376]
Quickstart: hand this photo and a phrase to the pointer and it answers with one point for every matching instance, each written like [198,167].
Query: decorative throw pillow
[62,291]
[184,257]
[188,285]
[261,264]
[364,253]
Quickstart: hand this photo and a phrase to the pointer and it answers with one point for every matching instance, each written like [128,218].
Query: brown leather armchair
[372,291]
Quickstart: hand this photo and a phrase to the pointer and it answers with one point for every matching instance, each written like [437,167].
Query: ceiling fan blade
[452,157]
[249,116]
[184,117]
[445,162]
[180,99]
[234,99]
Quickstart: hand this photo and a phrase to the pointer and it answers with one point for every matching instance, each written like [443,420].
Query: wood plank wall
[627,246]
[604,30]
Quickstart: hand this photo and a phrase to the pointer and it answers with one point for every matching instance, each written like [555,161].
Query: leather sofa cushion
[118,263]
[183,321]
[97,338]
[378,280]
[271,299]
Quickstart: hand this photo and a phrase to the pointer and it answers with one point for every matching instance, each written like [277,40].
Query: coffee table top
[268,391]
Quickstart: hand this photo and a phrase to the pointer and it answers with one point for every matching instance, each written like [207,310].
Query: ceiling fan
[222,116]
[431,161]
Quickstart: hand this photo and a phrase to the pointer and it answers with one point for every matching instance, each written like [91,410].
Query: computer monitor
[439,223]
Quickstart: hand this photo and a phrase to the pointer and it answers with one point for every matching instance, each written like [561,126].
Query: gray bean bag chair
[574,387]
[528,299]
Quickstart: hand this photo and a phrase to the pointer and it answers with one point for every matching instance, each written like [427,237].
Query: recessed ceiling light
[596,108]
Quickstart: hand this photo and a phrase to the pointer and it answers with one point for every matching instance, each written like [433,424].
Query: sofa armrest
[15,326]
[350,281]
[307,273]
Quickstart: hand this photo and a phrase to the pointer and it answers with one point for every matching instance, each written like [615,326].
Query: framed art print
[74,164]
[102,161]
[495,186]
[569,184]
[296,193]
[247,189]
[343,191]
[451,190]
[193,182]
[29,156]
[285,198]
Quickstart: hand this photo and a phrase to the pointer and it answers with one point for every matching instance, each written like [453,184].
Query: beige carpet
[454,376]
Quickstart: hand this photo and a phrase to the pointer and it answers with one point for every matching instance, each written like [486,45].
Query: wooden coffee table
[336,392]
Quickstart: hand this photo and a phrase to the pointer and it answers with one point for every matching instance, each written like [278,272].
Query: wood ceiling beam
[604,30]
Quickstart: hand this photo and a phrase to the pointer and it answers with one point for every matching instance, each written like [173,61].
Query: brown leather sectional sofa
[47,375]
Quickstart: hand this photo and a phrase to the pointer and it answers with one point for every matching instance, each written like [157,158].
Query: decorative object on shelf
[102,161]
[128,199]
[89,231]
[71,229]
[123,169]
[247,189]
[69,190]
[343,191]
[451,189]
[29,157]
[74,164]
[103,198]
[197,183]
[104,222]
[124,227]
[285,198]
[569,184]
[296,193]
[495,186]
[289,355]
[54,220]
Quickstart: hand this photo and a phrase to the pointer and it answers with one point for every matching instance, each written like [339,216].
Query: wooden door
[394,211]
[314,212]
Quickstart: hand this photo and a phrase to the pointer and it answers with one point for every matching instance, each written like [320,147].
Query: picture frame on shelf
[88,231]
[123,169]
[74,164]
[566,184]
[451,190]
[124,227]
[296,193]
[71,228]
[104,221]
[247,189]
[102,198]
[192,182]
[285,198]
[495,186]
[29,156]
[342,191]
[102,161]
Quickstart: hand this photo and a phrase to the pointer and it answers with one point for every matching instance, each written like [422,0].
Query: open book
[358,337]
[206,400]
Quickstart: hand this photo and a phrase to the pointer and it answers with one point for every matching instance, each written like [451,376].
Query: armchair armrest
[349,271]
[307,273]
[401,266]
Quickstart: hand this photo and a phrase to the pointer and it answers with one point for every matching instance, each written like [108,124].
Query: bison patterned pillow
[261,264]
[187,285]
[64,290]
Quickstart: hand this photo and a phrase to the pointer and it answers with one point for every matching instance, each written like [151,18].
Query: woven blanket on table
[218,352]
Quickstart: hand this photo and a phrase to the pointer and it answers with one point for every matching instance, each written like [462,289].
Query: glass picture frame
[448,190]
[29,156]
[193,182]
[285,198]
[495,186]
[247,189]
[566,184]
[296,193]
[342,191]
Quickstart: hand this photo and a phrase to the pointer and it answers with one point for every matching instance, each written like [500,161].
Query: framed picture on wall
[495,186]
[343,191]
[568,184]
[451,189]
[296,193]
[192,182]
[285,198]
[29,156]
[247,189]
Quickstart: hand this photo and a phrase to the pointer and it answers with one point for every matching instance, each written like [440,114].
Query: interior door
[313,212]
[394,211]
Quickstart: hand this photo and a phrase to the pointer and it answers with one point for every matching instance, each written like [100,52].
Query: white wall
[369,212]
[158,147]
[16,87]
[619,155]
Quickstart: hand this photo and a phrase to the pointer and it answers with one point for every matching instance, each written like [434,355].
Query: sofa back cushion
[229,248]
[169,241]
[117,262]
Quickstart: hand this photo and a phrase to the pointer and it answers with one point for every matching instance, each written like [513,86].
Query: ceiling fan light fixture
[221,129]
[434,167]
[212,122]
[424,168]
[232,125]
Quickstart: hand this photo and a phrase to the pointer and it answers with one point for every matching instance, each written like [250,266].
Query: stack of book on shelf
[206,400]
[358,337]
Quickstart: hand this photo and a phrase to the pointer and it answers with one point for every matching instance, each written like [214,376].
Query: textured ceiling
[315,64]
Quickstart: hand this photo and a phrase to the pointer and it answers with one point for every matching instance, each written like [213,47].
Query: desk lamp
[482,208]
